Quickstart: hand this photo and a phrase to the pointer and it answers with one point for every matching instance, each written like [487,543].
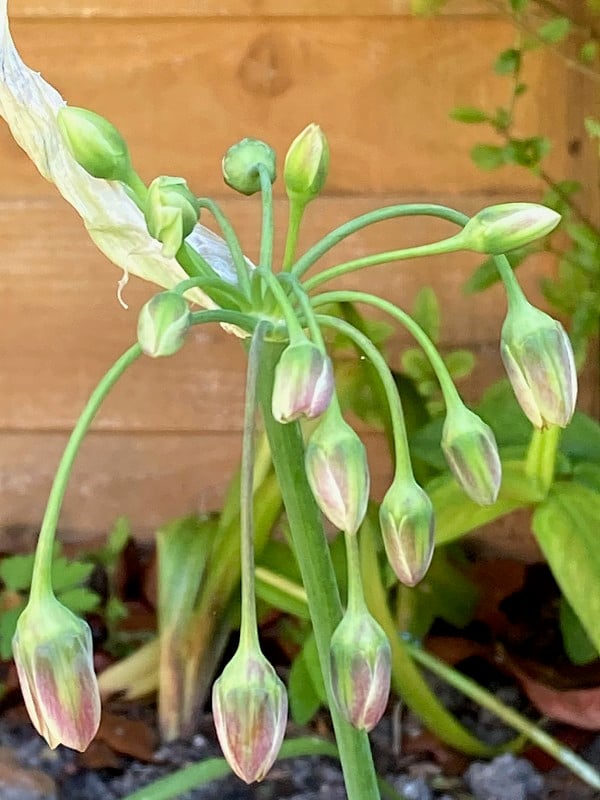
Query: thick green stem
[266,237]
[540,462]
[297,208]
[379,215]
[310,544]
[41,581]
[529,729]
[356,599]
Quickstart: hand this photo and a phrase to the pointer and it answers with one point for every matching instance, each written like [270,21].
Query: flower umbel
[53,654]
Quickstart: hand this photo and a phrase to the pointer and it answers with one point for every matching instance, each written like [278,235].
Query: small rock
[413,788]
[504,778]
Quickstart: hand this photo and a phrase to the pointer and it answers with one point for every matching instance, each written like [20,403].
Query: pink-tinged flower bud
[507,226]
[171,212]
[360,669]
[539,362]
[94,143]
[307,164]
[162,324]
[337,471]
[250,711]
[407,527]
[472,454]
[303,384]
[240,165]
[53,654]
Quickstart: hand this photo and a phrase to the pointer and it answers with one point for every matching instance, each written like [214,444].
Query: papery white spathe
[30,106]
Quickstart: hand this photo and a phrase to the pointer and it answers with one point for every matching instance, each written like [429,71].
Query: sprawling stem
[310,544]
[230,236]
[266,237]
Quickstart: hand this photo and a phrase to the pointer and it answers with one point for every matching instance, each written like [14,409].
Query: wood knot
[265,68]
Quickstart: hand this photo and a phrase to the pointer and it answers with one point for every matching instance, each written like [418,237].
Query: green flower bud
[337,471]
[250,712]
[240,165]
[163,323]
[472,454]
[307,164]
[303,384]
[53,654]
[539,362]
[94,143]
[407,527]
[507,226]
[171,212]
[360,669]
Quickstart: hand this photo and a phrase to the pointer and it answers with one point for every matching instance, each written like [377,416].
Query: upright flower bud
[163,323]
[303,384]
[360,669]
[337,471]
[307,164]
[507,226]
[171,212]
[472,454]
[407,527]
[539,362]
[250,712]
[94,143]
[53,654]
[240,165]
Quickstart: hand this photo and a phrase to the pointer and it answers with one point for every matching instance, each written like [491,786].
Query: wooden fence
[183,80]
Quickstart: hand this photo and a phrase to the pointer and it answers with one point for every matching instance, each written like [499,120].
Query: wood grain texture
[183,91]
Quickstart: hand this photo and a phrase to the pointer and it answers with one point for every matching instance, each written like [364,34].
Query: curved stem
[293,324]
[434,248]
[296,212]
[379,215]
[309,313]
[402,454]
[239,260]
[266,237]
[41,581]
[447,386]
[244,321]
[193,263]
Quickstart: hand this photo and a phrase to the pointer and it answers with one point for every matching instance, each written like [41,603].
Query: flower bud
[472,454]
[360,669]
[307,164]
[337,471]
[162,324]
[53,654]
[539,362]
[250,712]
[507,226]
[407,527]
[94,143]
[303,384]
[240,165]
[171,212]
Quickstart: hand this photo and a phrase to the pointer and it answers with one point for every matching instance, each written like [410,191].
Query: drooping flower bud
[303,384]
[53,654]
[307,164]
[240,165]
[250,712]
[472,454]
[539,362]
[407,527]
[162,324]
[507,226]
[360,669]
[94,143]
[337,471]
[171,212]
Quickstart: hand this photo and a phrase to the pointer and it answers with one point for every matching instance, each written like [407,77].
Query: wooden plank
[63,327]
[149,479]
[183,91]
[233,8]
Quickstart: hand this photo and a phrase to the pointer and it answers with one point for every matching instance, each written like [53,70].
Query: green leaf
[460,363]
[8,623]
[566,527]
[469,114]
[588,52]
[592,127]
[508,62]
[68,574]
[15,572]
[555,30]
[487,275]
[80,600]
[575,640]
[527,152]
[303,698]
[500,409]
[488,156]
[519,5]
[281,593]
[313,667]
[416,364]
[580,441]
[426,312]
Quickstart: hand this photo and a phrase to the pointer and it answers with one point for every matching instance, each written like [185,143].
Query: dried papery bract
[501,228]
[540,365]
[407,528]
[472,454]
[53,654]
[304,382]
